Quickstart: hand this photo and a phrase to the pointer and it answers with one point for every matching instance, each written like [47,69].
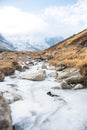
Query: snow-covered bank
[39,111]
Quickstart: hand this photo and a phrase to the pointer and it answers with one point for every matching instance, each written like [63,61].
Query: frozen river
[39,111]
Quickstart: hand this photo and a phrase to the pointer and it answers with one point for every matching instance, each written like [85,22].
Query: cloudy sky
[43,17]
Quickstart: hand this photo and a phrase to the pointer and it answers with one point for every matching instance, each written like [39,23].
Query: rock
[7,71]
[79,86]
[61,66]
[50,57]
[11,97]
[2,76]
[44,66]
[40,58]
[37,76]
[74,79]
[51,67]
[65,85]
[52,95]
[5,115]
[16,65]
[13,76]
[25,67]
[56,87]
[53,74]
[68,73]
[83,70]
[82,45]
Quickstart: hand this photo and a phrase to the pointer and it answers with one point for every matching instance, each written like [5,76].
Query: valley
[45,90]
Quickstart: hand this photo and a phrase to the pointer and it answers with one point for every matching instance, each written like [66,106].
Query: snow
[39,111]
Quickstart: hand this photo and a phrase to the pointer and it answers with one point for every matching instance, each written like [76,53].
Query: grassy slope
[69,51]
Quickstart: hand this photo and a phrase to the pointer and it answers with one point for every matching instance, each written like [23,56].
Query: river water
[39,111]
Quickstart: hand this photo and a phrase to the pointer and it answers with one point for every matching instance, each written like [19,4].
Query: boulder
[16,66]
[75,79]
[40,58]
[44,66]
[25,67]
[11,97]
[68,73]
[5,115]
[53,74]
[61,66]
[36,76]
[13,76]
[52,95]
[2,76]
[56,87]
[51,67]
[7,71]
[65,85]
[79,86]
[83,70]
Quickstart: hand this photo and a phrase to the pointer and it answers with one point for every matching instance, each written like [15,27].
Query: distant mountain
[25,43]
[52,41]
[5,45]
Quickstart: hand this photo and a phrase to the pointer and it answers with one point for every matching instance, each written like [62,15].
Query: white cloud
[67,20]
[13,20]
[52,21]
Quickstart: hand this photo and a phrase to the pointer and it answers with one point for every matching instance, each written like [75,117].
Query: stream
[39,111]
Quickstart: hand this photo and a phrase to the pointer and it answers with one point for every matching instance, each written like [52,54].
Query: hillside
[71,51]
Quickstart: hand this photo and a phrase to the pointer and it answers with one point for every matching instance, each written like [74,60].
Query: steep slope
[5,45]
[71,51]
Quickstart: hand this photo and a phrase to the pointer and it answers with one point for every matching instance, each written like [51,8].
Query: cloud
[52,21]
[13,20]
[67,20]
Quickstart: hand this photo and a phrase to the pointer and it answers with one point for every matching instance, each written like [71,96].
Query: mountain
[5,45]
[71,51]
[53,40]
[26,43]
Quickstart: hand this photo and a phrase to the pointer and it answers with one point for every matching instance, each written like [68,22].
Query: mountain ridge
[69,50]
[5,45]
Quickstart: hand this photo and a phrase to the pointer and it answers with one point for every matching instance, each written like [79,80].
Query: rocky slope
[71,52]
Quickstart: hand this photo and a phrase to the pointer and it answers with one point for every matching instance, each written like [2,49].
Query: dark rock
[16,66]
[61,66]
[2,76]
[75,79]
[83,71]
[49,57]
[7,71]
[52,95]
[40,58]
[82,45]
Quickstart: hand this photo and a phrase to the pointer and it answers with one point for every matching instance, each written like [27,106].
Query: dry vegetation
[72,51]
